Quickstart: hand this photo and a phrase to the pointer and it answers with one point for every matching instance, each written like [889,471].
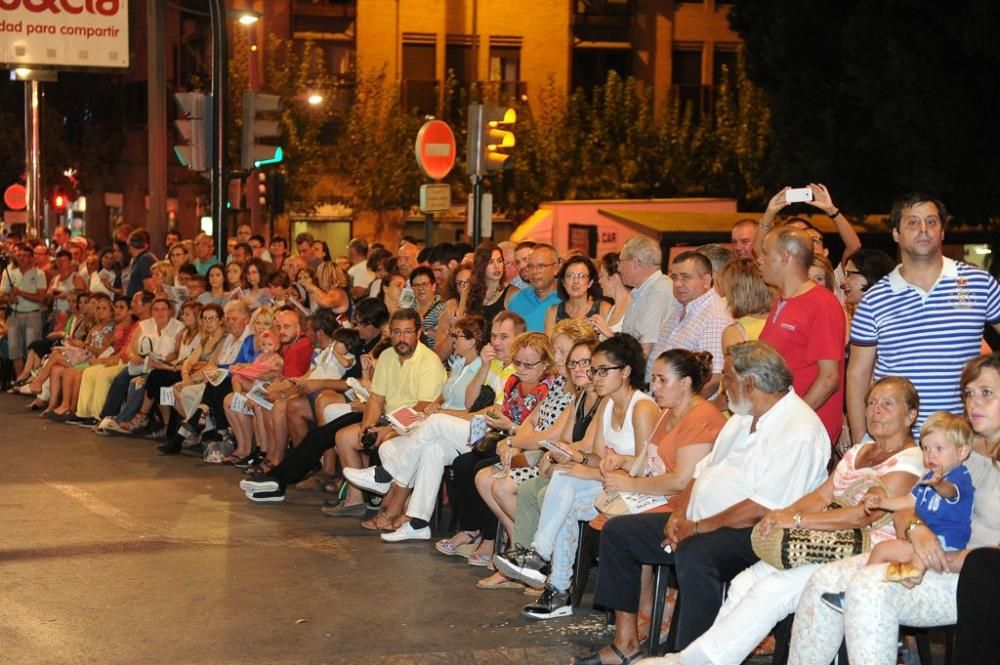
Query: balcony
[602,22]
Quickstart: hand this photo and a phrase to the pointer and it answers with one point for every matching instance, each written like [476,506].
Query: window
[458,61]
[724,56]
[686,77]
[419,84]
[505,68]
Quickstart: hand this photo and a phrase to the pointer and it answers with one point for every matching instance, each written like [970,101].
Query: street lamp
[315,99]
[247,17]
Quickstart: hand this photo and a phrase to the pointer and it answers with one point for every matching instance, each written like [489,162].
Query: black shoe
[82,422]
[835,601]
[528,567]
[551,604]
[172,446]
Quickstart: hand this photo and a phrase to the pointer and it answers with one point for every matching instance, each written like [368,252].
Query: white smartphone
[798,195]
[555,448]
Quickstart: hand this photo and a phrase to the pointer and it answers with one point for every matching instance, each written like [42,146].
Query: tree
[375,150]
[290,72]
[879,98]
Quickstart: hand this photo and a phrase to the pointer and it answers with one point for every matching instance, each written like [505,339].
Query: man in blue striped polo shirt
[923,320]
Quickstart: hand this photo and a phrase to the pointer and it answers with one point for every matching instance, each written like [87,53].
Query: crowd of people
[703,418]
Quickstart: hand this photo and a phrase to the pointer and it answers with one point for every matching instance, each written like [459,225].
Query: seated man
[408,374]
[771,452]
[416,461]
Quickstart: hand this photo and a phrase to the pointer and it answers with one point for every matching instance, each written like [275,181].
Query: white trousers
[873,611]
[758,598]
[417,460]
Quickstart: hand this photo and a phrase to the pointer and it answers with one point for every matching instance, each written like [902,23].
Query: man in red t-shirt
[807,325]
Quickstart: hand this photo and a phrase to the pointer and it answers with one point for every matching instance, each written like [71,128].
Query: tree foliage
[292,72]
[879,98]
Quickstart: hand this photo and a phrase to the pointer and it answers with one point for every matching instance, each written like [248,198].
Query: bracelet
[833,214]
[797,518]
[584,459]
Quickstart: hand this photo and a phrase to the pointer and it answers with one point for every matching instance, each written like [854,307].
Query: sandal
[595,658]
[449,547]
[380,522]
[498,581]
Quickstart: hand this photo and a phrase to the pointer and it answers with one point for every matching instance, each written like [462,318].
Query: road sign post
[435,152]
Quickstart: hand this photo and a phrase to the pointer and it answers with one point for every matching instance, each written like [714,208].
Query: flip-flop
[506,584]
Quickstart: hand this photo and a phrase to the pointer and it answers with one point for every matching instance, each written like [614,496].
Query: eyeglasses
[209,319]
[457,336]
[582,362]
[541,266]
[461,283]
[399,332]
[421,285]
[523,365]
[577,277]
[848,273]
[602,371]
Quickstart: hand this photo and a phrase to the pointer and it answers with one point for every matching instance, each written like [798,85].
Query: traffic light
[490,138]
[255,155]
[59,201]
[262,189]
[195,130]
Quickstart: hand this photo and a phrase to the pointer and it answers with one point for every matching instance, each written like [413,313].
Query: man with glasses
[533,303]
[652,292]
[408,374]
[412,465]
[23,289]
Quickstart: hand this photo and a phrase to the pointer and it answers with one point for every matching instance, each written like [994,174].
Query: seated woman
[873,609]
[59,347]
[417,462]
[762,595]
[165,373]
[576,434]
[64,379]
[622,425]
[613,289]
[683,435]
[216,293]
[579,292]
[497,485]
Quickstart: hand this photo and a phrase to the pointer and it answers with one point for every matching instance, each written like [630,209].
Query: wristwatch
[911,525]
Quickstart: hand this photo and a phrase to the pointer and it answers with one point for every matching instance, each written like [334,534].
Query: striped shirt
[928,336]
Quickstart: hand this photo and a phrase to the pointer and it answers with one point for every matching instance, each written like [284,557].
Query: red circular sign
[435,149]
[16,197]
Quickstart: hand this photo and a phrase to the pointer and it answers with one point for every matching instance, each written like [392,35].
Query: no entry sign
[435,149]
[16,197]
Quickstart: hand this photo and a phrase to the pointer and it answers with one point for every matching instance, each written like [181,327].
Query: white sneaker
[365,479]
[248,485]
[406,532]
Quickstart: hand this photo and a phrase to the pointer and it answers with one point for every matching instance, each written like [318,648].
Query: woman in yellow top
[749,299]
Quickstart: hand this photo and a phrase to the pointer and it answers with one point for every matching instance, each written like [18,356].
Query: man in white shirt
[652,292]
[771,452]
[361,277]
[23,288]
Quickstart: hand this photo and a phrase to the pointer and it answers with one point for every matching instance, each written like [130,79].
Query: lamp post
[249,19]
[220,111]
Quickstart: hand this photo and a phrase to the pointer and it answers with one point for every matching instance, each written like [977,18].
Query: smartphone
[799,195]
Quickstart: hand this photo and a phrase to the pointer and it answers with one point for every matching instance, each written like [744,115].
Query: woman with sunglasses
[623,424]
[861,272]
[579,292]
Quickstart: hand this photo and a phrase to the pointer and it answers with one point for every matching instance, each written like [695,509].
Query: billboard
[64,33]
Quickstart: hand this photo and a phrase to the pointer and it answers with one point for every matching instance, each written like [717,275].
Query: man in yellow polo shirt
[408,374]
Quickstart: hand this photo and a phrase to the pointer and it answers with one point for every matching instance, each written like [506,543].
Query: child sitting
[943,499]
[342,354]
[266,364]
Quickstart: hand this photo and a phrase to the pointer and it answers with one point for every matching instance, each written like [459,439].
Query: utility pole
[220,109]
[33,155]
[156,96]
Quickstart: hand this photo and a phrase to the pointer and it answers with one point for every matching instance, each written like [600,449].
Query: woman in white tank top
[623,424]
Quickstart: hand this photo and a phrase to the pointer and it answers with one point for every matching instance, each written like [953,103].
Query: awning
[714,222]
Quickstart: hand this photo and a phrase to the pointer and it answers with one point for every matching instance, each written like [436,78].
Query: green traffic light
[279,156]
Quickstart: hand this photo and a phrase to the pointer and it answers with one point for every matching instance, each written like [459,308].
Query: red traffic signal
[59,201]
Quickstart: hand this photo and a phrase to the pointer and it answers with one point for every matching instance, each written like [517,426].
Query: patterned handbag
[790,548]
